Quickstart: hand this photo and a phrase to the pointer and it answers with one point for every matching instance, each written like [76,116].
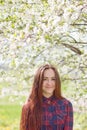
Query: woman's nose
[49,81]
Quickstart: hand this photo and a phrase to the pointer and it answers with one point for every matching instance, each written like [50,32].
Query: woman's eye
[44,79]
[53,79]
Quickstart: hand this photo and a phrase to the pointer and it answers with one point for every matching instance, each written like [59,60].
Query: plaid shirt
[57,114]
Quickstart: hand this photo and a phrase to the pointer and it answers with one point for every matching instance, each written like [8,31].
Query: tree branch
[73,79]
[80,42]
[78,24]
[76,50]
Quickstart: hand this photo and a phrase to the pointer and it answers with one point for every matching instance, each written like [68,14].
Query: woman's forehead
[49,72]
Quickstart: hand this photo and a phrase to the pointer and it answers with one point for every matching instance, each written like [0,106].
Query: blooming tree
[33,32]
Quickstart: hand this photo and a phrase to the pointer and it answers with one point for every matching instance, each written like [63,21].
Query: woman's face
[49,81]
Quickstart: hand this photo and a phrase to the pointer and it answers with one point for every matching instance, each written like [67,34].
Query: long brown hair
[33,121]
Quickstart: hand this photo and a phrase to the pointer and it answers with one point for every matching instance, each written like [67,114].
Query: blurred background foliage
[34,32]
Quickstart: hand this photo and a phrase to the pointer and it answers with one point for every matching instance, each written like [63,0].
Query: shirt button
[49,102]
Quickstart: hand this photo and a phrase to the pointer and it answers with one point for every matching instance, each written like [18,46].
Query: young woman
[46,109]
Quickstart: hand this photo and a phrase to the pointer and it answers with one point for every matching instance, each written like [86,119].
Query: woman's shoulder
[64,101]
[26,105]
[67,102]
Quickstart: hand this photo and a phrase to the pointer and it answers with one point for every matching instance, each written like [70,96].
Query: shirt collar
[45,99]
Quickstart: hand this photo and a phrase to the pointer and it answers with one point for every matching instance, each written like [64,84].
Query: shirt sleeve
[23,117]
[69,118]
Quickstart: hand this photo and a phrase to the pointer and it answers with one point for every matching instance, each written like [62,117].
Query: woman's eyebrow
[48,77]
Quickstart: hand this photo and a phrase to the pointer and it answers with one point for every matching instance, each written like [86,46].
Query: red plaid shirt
[57,114]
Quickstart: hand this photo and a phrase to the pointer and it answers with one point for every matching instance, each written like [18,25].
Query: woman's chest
[53,114]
